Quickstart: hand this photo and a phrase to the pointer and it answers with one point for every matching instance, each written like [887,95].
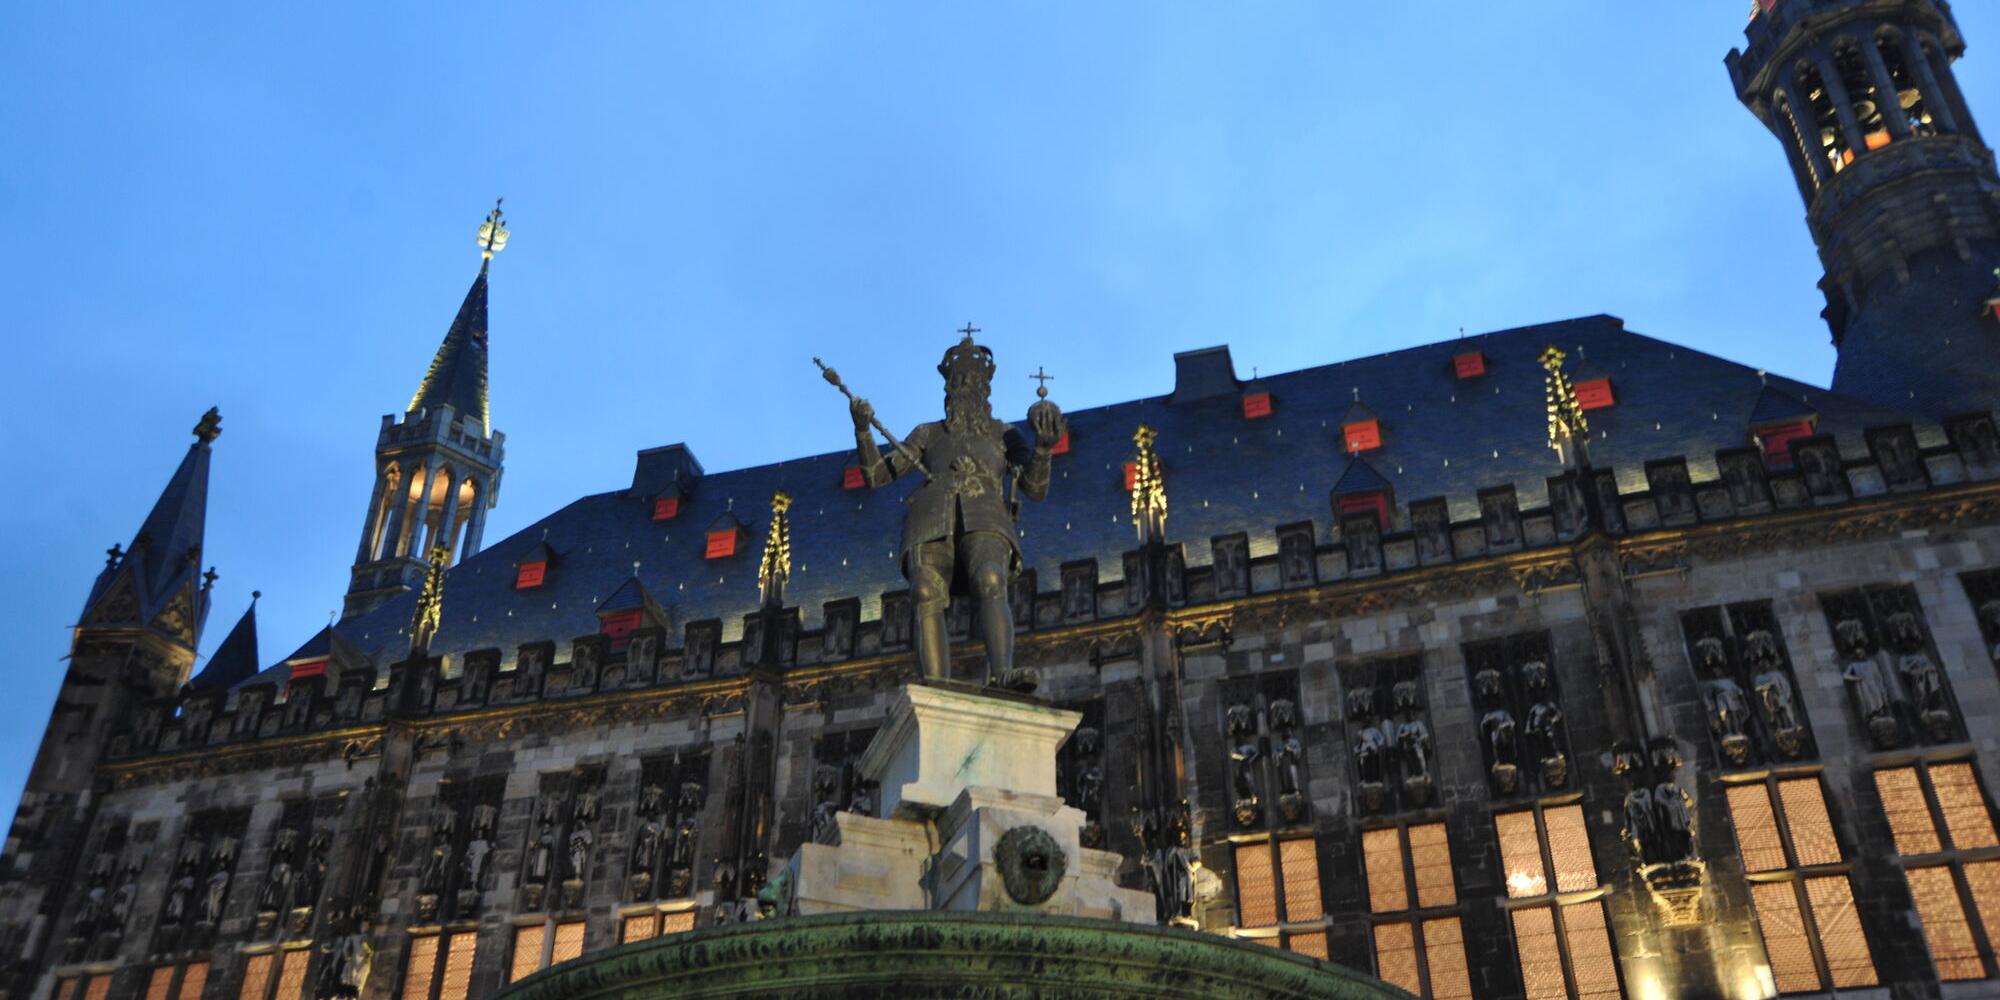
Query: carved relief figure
[1241,725]
[1728,711]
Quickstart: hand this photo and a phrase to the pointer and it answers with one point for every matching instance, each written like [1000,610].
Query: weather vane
[492,233]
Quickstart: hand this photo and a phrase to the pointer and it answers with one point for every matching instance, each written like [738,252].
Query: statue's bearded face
[966,402]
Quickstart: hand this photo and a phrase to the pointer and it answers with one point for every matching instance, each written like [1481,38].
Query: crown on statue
[967,362]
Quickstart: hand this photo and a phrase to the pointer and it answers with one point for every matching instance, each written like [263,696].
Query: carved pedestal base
[1372,793]
[1247,811]
[1417,789]
[468,902]
[1883,730]
[266,919]
[1555,771]
[1676,888]
[427,907]
[1292,806]
[531,896]
[1506,778]
[1939,723]
[572,893]
[1736,747]
[1791,742]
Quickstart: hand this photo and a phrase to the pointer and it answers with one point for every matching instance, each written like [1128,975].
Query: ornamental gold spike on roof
[492,233]
[1566,423]
[430,604]
[1149,489]
[776,565]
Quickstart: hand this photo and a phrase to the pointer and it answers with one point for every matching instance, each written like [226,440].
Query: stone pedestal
[967,780]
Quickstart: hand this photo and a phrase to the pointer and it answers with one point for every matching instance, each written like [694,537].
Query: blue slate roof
[457,376]
[1440,438]
[235,661]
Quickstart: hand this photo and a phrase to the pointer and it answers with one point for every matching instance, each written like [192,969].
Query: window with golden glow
[1409,871]
[1279,879]
[160,982]
[98,988]
[440,966]
[540,945]
[66,988]
[165,982]
[194,979]
[1561,939]
[1799,885]
[1943,829]
[257,977]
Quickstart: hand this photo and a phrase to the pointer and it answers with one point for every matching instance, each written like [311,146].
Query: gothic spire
[235,661]
[164,559]
[457,376]
[775,566]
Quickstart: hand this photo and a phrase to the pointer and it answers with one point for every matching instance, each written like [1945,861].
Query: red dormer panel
[666,508]
[530,575]
[1365,435]
[1595,394]
[1256,405]
[852,478]
[1471,364]
[1131,475]
[722,544]
[1373,502]
[1776,440]
[618,626]
[1062,445]
[308,668]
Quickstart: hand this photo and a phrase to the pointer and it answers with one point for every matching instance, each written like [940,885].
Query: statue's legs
[930,594]
[989,561]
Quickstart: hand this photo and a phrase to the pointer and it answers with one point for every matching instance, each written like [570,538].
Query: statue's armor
[967,492]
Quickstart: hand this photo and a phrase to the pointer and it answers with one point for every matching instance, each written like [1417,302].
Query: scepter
[833,378]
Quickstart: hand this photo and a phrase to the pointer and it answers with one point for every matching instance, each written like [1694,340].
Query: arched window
[1955,117]
[391,477]
[1909,92]
[1822,122]
[1861,96]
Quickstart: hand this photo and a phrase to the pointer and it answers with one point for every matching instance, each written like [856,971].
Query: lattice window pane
[160,982]
[639,927]
[1786,945]
[1382,857]
[1848,959]
[1312,944]
[1444,959]
[1757,838]
[1812,829]
[1964,806]
[66,989]
[1569,845]
[1396,956]
[458,965]
[1298,861]
[1591,960]
[99,987]
[257,972]
[1540,956]
[1521,854]
[1430,859]
[676,922]
[1945,927]
[1909,815]
[569,942]
[528,943]
[1983,878]
[193,981]
[292,975]
[1256,891]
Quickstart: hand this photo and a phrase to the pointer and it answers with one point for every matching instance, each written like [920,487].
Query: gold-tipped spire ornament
[492,234]
[775,568]
[1149,488]
[1567,427]
[430,604]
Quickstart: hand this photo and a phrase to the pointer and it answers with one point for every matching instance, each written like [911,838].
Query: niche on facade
[1749,692]
[1894,680]
[1523,735]
[1389,734]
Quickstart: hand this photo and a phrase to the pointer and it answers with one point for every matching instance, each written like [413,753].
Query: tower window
[1282,881]
[1822,121]
[1364,435]
[654,923]
[1256,405]
[1860,86]
[530,575]
[1471,364]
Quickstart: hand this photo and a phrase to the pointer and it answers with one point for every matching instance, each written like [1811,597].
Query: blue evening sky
[271,208]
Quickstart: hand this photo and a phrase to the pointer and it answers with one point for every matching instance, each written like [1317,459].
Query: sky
[271,208]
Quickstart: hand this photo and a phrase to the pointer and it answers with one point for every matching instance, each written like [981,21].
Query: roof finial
[492,234]
[1042,380]
[254,595]
[210,426]
[776,565]
[208,579]
[1762,377]
[1567,426]
[968,329]
[1357,394]
[1149,488]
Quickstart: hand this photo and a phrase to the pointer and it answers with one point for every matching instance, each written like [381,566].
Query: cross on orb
[1042,380]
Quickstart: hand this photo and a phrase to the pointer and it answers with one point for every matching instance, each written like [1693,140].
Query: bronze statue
[958,534]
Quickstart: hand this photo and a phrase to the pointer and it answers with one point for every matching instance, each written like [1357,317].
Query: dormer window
[1374,502]
[852,478]
[1468,365]
[618,626]
[1131,475]
[1256,405]
[722,543]
[1062,445]
[1595,394]
[530,574]
[308,668]
[1360,436]
[1776,441]
[667,508]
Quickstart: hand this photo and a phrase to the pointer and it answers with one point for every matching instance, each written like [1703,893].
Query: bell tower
[1900,192]
[437,469]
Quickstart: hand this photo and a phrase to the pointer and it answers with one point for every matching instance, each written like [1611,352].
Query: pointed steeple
[161,569]
[235,661]
[457,376]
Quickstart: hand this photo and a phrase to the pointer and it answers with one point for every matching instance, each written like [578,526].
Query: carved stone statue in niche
[181,895]
[478,848]
[1640,831]
[1673,808]
[826,785]
[278,883]
[1295,558]
[1778,707]
[1232,565]
[343,970]
[437,868]
[1876,702]
[1497,727]
[220,860]
[1728,713]
[698,660]
[1413,738]
[680,856]
[1545,735]
[1369,746]
[1925,683]
[1291,755]
[1089,784]
[1242,729]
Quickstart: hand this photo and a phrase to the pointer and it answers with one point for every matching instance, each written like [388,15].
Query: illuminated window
[440,961]
[538,946]
[292,974]
[1799,889]
[1422,952]
[1943,828]
[852,478]
[1365,435]
[98,988]
[666,508]
[66,988]
[529,575]
[194,979]
[1561,939]
[721,544]
[1282,877]
[257,977]
[160,983]
[1777,441]
[1471,364]
[1594,394]
[1256,405]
